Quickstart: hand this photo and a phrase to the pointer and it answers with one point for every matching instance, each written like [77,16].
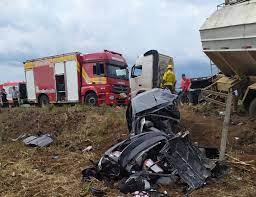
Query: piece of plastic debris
[29,139]
[240,124]
[55,157]
[222,113]
[19,137]
[89,173]
[97,192]
[150,164]
[41,141]
[239,178]
[134,184]
[87,149]
[166,181]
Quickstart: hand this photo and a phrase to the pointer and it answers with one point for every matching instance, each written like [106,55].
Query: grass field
[56,170]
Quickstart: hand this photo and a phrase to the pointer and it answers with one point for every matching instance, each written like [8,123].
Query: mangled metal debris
[150,157]
[155,153]
[41,141]
[156,108]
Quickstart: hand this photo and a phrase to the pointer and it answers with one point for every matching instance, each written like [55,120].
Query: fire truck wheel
[43,100]
[252,108]
[91,99]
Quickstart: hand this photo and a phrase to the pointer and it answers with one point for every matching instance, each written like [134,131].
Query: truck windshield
[119,72]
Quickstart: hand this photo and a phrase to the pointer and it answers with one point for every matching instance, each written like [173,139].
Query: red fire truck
[94,79]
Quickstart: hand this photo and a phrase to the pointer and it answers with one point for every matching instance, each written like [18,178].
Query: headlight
[112,97]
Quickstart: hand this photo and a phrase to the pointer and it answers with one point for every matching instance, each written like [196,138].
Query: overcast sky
[36,28]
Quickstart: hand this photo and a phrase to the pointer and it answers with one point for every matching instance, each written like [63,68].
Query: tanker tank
[229,38]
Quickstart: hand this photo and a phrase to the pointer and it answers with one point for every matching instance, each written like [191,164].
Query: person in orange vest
[169,79]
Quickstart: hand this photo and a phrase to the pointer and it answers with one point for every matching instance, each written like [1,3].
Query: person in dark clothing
[4,98]
[15,97]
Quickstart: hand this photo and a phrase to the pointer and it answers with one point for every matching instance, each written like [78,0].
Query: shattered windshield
[119,72]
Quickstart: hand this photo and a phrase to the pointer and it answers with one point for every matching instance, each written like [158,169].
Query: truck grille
[117,89]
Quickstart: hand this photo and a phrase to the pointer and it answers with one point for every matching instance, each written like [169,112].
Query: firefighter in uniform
[169,79]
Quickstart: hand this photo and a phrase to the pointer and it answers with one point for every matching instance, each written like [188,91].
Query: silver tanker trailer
[229,39]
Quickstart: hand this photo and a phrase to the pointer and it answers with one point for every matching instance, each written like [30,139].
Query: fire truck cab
[94,78]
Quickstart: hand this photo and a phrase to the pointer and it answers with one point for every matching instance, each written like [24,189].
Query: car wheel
[44,101]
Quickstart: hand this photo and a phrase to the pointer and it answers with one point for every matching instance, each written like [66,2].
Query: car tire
[252,108]
[91,99]
[44,101]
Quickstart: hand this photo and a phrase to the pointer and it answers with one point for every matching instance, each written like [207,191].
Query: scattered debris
[55,157]
[134,184]
[222,113]
[140,194]
[87,149]
[41,141]
[22,136]
[154,154]
[97,192]
[240,124]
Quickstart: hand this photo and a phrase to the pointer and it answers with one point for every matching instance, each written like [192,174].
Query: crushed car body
[156,108]
[154,154]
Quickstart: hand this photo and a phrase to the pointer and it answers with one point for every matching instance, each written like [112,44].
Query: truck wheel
[91,99]
[44,101]
[252,108]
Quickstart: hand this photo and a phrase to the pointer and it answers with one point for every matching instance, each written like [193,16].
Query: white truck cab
[148,71]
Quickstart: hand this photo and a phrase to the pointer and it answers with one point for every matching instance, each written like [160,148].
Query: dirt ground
[56,170]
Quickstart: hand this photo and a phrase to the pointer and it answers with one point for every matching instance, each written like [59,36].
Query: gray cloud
[35,28]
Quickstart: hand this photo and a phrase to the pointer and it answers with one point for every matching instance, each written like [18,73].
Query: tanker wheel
[44,101]
[252,108]
[91,99]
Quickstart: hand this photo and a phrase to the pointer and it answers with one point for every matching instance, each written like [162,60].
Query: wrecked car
[153,158]
[155,152]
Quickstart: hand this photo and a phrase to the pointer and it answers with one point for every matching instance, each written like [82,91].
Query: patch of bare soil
[56,170]
[205,128]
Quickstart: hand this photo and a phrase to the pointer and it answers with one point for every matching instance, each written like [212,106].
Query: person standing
[15,96]
[185,87]
[4,98]
[169,79]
